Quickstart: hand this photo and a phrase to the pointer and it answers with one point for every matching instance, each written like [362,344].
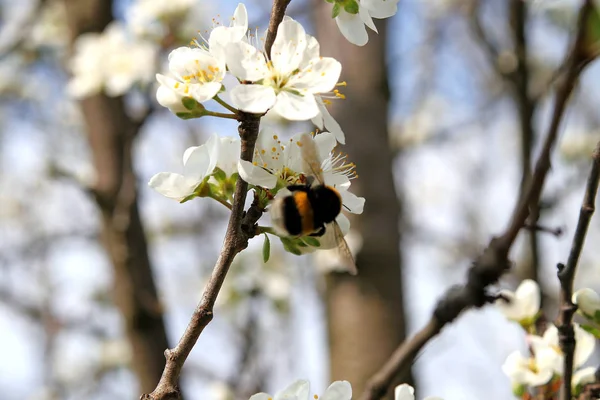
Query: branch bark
[493,262]
[239,230]
[566,275]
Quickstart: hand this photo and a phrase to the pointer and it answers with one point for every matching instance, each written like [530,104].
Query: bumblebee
[312,207]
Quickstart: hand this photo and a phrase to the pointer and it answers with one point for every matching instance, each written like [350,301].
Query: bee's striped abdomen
[305,210]
[292,218]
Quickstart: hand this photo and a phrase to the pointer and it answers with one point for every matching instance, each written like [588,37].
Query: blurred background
[445,111]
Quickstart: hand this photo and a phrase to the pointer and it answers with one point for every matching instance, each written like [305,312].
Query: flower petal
[202,92]
[338,390]
[295,107]
[228,155]
[171,185]
[296,391]
[261,396]
[167,97]
[352,202]
[325,142]
[288,48]
[197,163]
[583,377]
[246,62]
[509,307]
[584,347]
[313,50]
[353,28]
[330,124]
[366,18]
[256,99]
[255,175]
[529,297]
[319,76]
[381,8]
[587,300]
[404,392]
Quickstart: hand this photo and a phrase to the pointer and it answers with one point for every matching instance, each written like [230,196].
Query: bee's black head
[327,204]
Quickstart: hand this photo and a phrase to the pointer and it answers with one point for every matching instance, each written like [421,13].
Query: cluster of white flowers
[338,390]
[110,61]
[290,84]
[544,366]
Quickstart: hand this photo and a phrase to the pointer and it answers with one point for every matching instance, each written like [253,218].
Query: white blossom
[523,305]
[547,359]
[300,390]
[110,61]
[195,73]
[530,371]
[353,26]
[588,302]
[289,82]
[149,17]
[198,163]
[584,347]
[583,377]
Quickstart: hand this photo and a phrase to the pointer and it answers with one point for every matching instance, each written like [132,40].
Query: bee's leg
[320,232]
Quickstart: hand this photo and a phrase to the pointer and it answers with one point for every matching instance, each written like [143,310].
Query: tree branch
[493,262]
[566,275]
[277,13]
[239,230]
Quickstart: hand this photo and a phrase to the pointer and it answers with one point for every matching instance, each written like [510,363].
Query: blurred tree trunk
[111,134]
[366,317]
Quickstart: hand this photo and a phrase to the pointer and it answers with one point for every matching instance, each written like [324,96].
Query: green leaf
[266,250]
[290,246]
[311,241]
[351,7]
[591,329]
[190,103]
[336,10]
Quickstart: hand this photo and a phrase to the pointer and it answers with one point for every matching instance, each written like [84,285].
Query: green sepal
[336,10]
[219,174]
[596,316]
[266,250]
[519,390]
[190,103]
[591,329]
[185,115]
[311,241]
[330,1]
[188,198]
[351,7]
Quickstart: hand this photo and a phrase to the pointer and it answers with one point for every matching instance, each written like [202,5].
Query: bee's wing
[345,253]
[310,157]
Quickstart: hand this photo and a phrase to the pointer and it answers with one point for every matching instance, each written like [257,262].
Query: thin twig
[545,229]
[493,262]
[566,275]
[239,230]
[277,13]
